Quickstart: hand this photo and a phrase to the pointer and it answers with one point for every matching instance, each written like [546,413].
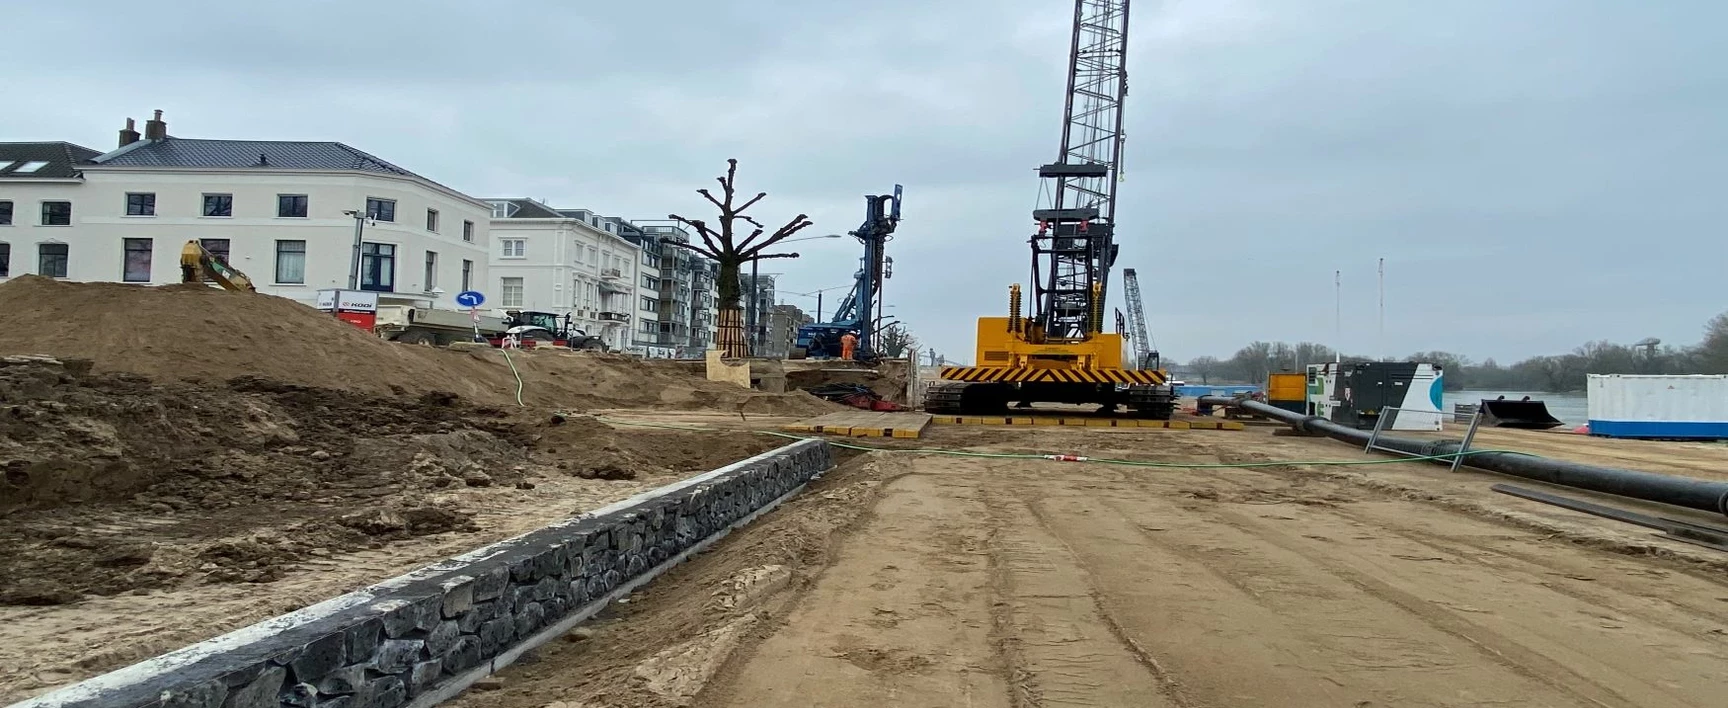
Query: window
[432,220]
[467,274]
[378,267]
[218,248]
[5,213]
[650,282]
[51,259]
[5,260]
[610,228]
[500,210]
[56,213]
[140,204]
[30,166]
[515,247]
[381,209]
[650,305]
[137,263]
[578,249]
[593,256]
[291,262]
[291,205]
[468,231]
[218,205]
[510,295]
[431,271]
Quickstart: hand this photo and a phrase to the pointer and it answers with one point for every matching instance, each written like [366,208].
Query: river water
[1570,408]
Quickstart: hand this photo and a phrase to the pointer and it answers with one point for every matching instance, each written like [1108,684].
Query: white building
[566,261]
[285,213]
[39,198]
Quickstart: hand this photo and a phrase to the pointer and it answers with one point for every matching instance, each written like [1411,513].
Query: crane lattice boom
[1075,245]
[1136,316]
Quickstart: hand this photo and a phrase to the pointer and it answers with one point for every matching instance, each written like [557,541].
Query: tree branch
[798,223]
[767,256]
[710,196]
[702,230]
[740,210]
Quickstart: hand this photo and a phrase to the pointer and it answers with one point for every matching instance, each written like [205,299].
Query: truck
[436,327]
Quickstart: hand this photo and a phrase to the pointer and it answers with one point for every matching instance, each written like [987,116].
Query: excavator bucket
[1523,414]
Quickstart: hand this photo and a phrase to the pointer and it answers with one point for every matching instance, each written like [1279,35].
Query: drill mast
[1075,245]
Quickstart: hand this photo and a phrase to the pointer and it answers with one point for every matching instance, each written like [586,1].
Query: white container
[1659,406]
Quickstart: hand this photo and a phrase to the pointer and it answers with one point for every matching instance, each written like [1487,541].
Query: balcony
[611,273]
[614,317]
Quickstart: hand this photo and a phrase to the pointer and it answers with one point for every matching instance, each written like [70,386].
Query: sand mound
[202,334]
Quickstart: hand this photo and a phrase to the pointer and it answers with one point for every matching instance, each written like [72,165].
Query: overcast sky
[1536,173]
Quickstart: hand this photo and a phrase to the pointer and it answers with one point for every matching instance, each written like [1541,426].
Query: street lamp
[360,219]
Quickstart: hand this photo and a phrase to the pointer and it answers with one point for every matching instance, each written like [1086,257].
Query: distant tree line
[1552,372]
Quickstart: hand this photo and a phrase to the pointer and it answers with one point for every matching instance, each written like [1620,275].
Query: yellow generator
[1059,352]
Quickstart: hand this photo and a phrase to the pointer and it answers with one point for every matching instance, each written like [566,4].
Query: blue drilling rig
[855,315]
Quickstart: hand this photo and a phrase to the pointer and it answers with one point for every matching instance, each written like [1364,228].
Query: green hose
[1100,460]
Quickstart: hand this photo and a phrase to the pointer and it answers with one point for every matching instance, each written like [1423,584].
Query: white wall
[25,232]
[100,226]
[562,265]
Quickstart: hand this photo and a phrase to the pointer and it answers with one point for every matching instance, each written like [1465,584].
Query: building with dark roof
[39,187]
[285,212]
[570,261]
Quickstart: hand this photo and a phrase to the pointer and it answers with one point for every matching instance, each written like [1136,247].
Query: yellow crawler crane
[1059,352]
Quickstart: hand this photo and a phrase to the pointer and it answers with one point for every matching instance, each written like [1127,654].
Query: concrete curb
[421,638]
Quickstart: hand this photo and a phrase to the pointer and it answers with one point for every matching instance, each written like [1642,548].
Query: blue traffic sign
[470,298]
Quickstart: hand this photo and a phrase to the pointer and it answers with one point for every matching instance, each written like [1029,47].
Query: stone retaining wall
[421,638]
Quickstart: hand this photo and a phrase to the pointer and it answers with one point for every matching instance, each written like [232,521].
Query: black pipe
[1666,489]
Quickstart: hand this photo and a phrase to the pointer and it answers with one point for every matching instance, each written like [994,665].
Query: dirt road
[923,580]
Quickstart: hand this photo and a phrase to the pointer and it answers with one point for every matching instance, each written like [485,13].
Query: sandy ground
[924,580]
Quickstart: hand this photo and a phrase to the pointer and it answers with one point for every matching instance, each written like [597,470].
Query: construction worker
[848,346]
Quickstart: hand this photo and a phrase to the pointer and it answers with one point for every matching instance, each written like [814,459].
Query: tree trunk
[730,338]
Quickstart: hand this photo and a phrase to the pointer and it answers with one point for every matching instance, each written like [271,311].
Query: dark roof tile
[62,159]
[292,155]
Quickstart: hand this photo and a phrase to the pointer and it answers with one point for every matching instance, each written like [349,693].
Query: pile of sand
[201,334]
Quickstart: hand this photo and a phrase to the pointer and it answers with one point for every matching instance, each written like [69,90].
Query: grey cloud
[1536,173]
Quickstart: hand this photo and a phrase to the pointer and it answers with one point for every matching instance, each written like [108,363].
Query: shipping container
[1659,406]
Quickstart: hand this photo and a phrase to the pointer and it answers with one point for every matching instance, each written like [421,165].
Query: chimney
[155,128]
[129,134]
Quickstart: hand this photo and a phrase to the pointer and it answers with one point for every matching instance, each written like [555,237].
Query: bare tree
[725,246]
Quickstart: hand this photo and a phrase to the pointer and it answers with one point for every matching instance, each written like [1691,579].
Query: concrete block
[495,635]
[488,585]
[396,656]
[424,676]
[319,657]
[262,692]
[442,637]
[384,692]
[344,681]
[530,618]
[463,656]
[362,639]
[470,623]
[458,596]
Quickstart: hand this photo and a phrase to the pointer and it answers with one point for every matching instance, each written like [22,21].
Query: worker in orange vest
[848,346]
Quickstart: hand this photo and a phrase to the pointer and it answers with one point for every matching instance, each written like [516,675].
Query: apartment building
[757,300]
[645,336]
[567,261]
[687,321]
[286,213]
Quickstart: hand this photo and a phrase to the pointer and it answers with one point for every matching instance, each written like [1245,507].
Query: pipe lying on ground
[1666,489]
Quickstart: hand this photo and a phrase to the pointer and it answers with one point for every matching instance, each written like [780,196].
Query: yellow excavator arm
[198,265]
